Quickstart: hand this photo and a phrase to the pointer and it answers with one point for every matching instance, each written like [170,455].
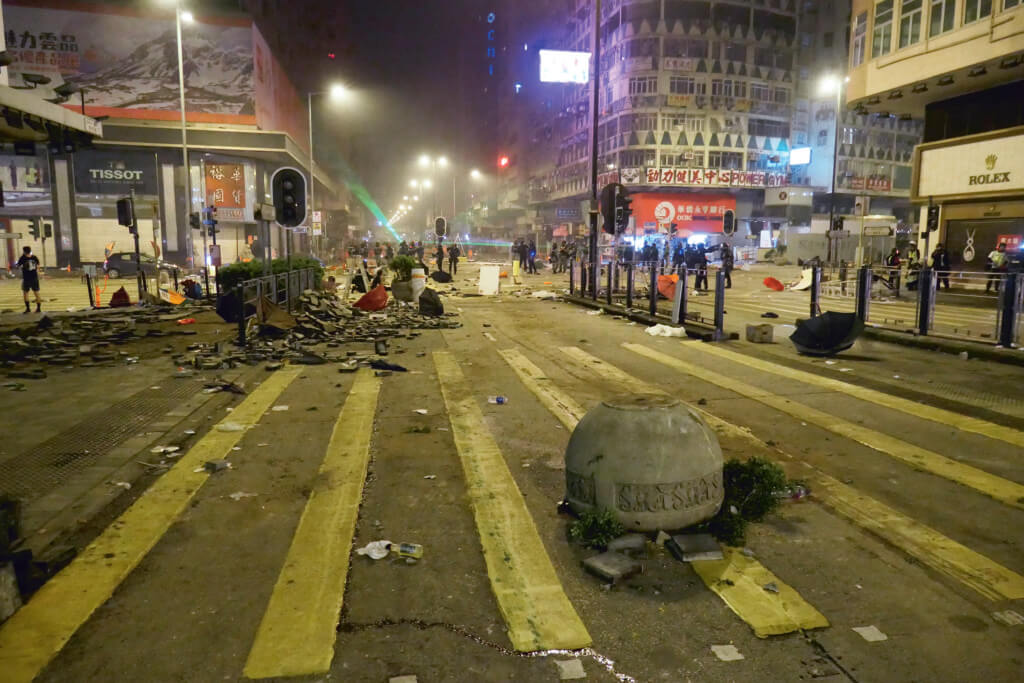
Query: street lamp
[828,85]
[475,174]
[336,92]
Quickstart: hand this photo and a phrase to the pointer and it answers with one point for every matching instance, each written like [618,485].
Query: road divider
[735,579]
[931,548]
[299,629]
[530,596]
[1005,491]
[40,629]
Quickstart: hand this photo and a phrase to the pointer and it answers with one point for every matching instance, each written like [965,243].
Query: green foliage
[232,275]
[750,490]
[596,528]
[402,267]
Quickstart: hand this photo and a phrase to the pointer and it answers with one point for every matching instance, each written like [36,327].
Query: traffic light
[289,192]
[837,223]
[47,230]
[623,209]
[933,218]
[729,222]
[126,214]
[503,161]
[440,226]
[616,208]
[33,227]
[210,219]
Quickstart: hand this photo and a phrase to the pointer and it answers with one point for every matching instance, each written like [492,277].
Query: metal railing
[283,289]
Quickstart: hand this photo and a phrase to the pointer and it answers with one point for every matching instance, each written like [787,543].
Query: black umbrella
[827,334]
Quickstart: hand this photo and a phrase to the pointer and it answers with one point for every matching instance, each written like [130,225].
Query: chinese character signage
[690,212]
[225,189]
[713,177]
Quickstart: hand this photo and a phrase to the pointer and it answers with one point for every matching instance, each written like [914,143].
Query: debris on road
[727,653]
[570,669]
[279,409]
[213,466]
[870,633]
[665,331]
[165,449]
[630,543]
[771,587]
[375,550]
[497,400]
[1009,617]
[612,566]
[420,411]
[384,365]
[430,476]
[402,679]
[769,314]
[239,495]
[698,547]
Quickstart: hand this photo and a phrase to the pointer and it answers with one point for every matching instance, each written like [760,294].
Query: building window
[941,17]
[860,31]
[687,122]
[737,52]
[768,128]
[684,85]
[781,96]
[643,85]
[725,160]
[695,48]
[760,91]
[911,12]
[976,9]
[881,39]
[764,56]
[1008,4]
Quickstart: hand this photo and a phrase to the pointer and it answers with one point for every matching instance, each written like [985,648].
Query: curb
[693,329]
[947,345]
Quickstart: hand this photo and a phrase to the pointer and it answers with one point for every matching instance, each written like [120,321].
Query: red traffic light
[503,162]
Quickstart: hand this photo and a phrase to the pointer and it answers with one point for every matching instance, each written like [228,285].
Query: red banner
[691,212]
[225,189]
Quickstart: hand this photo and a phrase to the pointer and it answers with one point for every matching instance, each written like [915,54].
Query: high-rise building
[961,63]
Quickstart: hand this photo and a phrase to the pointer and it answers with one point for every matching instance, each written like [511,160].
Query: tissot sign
[989,165]
[115,173]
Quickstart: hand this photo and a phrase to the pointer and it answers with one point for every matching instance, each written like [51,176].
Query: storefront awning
[27,117]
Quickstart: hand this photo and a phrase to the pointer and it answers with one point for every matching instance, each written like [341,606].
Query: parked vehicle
[122,264]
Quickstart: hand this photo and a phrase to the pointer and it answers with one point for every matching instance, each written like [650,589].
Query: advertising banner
[23,174]
[691,213]
[115,173]
[713,177]
[225,189]
[125,59]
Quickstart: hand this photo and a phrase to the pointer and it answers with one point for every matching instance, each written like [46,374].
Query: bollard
[572,277]
[1009,305]
[88,284]
[241,314]
[925,300]
[682,296]
[815,291]
[653,304]
[608,294]
[863,292]
[719,332]
[629,285]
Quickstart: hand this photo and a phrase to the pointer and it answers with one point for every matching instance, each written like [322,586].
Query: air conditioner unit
[688,154]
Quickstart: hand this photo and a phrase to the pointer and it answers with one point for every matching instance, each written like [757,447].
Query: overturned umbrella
[827,334]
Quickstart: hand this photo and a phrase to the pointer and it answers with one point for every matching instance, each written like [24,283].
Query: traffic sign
[878,231]
[10,235]
[318,217]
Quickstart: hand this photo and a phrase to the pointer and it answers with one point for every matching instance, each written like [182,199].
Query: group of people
[561,255]
[996,264]
[527,253]
[681,256]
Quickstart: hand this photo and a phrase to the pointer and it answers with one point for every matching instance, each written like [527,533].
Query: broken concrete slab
[570,669]
[612,566]
[696,547]
[630,543]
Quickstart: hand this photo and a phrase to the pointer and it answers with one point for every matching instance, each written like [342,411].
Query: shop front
[978,183]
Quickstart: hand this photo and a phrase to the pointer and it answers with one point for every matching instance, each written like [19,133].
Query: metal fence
[283,289]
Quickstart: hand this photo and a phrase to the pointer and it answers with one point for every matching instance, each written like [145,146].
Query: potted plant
[401,285]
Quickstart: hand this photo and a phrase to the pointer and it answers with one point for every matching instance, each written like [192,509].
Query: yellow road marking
[37,632]
[946,417]
[561,405]
[767,614]
[939,552]
[530,596]
[297,634]
[739,580]
[1009,492]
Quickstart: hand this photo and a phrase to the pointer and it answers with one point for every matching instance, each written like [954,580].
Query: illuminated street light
[187,17]
[338,91]
[424,161]
[414,183]
[427,184]
[475,174]
[442,162]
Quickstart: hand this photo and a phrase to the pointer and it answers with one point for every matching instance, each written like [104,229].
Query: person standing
[420,251]
[531,257]
[439,256]
[454,252]
[29,264]
[389,252]
[523,251]
[701,258]
[940,262]
[996,266]
[892,262]
[403,249]
[727,264]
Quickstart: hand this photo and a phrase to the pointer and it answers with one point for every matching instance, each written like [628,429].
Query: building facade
[961,62]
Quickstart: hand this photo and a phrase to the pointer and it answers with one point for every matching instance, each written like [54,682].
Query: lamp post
[337,92]
[185,16]
[828,85]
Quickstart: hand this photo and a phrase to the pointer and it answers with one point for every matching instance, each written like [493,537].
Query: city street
[913,465]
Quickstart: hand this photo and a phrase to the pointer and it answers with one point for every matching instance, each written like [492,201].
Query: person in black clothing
[727,264]
[531,257]
[389,252]
[420,251]
[940,262]
[29,265]
[453,258]
[523,252]
[403,249]
[701,258]
[439,255]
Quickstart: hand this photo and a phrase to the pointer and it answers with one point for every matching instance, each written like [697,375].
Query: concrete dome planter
[647,457]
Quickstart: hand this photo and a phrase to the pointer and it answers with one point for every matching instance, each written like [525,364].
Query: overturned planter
[648,458]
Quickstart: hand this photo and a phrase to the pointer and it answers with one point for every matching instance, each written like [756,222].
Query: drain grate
[41,469]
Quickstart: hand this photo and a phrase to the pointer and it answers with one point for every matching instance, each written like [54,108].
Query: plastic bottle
[413,550]
[793,493]
[497,400]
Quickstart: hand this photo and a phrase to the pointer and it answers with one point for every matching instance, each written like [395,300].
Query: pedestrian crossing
[297,634]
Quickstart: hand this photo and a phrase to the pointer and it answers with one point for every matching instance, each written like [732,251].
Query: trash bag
[120,299]
[358,284]
[827,334]
[430,303]
[374,300]
[441,276]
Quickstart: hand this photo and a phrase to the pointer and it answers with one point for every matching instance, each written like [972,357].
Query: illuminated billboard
[559,66]
[800,156]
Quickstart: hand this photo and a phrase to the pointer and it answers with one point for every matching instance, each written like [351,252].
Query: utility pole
[595,89]
[184,139]
[312,178]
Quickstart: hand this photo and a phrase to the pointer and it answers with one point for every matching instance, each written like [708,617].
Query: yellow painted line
[946,417]
[1005,491]
[561,405]
[38,631]
[297,634]
[532,601]
[934,550]
[766,613]
[739,580]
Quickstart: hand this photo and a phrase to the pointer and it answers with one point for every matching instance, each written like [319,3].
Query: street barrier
[280,288]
